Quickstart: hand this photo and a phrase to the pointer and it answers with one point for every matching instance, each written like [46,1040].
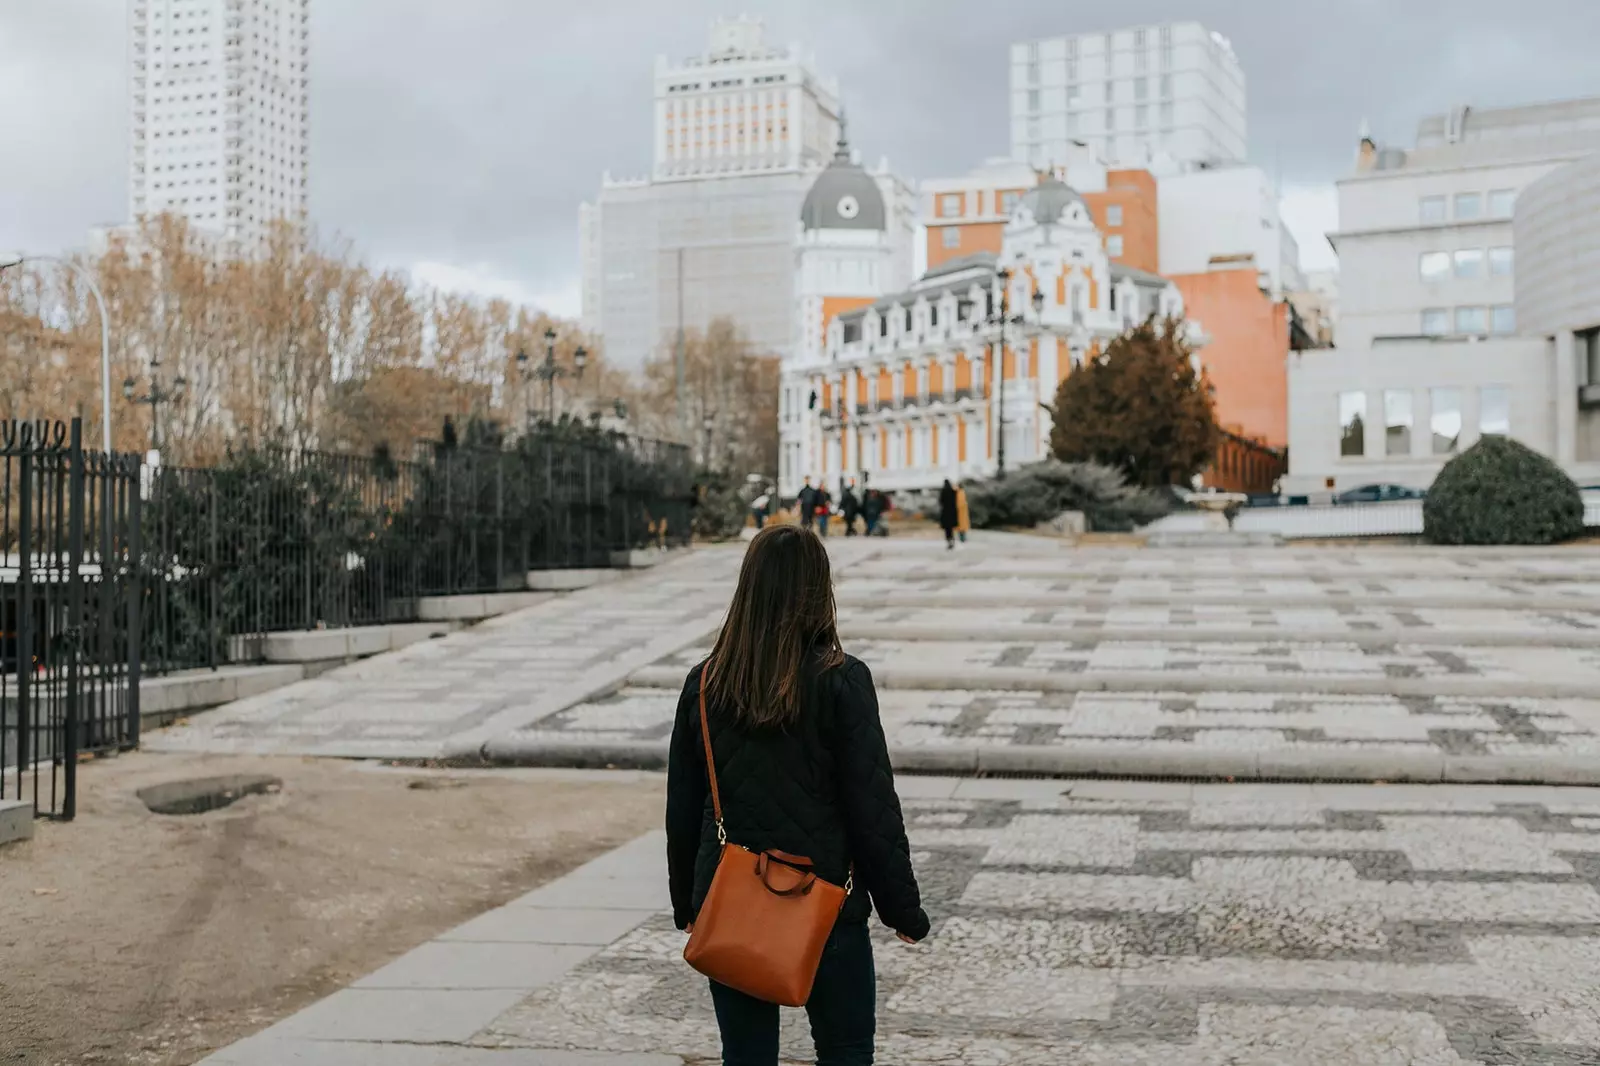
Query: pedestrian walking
[871,510]
[823,507]
[948,517]
[807,503]
[849,507]
[759,508]
[778,750]
[963,516]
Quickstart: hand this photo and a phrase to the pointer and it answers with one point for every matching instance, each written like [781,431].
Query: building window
[1469,262]
[1494,411]
[1397,422]
[1503,318]
[1431,208]
[852,332]
[950,205]
[1114,215]
[1352,424]
[1471,320]
[1111,119]
[1141,117]
[1166,85]
[1008,201]
[1072,123]
[883,325]
[1072,72]
[1141,88]
[951,236]
[1469,205]
[1500,262]
[1033,99]
[1114,245]
[1434,266]
[1446,421]
[933,314]
[1502,202]
[1435,321]
[1033,74]
[1166,117]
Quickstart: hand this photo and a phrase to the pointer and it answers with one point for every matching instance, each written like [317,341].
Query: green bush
[1502,492]
[1039,492]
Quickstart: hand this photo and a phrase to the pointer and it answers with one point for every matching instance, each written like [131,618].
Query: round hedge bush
[1500,491]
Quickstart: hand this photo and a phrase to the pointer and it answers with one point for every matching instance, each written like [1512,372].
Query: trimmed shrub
[1040,491]
[1500,491]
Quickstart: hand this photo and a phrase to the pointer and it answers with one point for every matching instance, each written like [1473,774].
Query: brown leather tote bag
[766,917]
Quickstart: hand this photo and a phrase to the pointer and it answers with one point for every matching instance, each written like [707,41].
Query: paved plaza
[1075,920]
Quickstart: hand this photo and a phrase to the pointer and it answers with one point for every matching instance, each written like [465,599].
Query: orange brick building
[968,215]
[1247,356]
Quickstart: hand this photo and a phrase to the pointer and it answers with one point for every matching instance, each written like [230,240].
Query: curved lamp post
[105,331]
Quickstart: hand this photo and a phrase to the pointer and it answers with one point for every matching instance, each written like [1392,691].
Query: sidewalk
[1095,923]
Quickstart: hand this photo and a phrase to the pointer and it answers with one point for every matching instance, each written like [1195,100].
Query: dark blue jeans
[843,1009]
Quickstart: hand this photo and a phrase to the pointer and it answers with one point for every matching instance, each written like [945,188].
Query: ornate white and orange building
[900,388]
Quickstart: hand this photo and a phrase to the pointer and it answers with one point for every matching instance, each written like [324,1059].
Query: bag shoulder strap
[711,761]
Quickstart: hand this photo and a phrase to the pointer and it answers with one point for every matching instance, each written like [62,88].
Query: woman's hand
[689,929]
[905,938]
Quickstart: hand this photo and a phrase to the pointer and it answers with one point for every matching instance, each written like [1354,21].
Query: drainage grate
[204,794]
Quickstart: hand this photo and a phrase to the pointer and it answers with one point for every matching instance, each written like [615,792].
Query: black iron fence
[274,541]
[69,660]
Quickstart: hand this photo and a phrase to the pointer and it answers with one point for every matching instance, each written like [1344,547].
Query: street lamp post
[548,371]
[1002,317]
[105,332]
[708,423]
[159,394]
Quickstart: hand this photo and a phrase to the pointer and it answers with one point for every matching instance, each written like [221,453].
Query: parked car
[1378,494]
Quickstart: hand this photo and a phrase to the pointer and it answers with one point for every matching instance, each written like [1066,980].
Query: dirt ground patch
[131,937]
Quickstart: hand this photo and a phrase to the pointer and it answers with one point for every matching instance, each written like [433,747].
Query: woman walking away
[799,775]
[963,515]
[948,517]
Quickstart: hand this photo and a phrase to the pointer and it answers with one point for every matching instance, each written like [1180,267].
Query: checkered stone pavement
[1156,721]
[1238,929]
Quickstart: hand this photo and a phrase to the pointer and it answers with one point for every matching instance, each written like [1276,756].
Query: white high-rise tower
[219,113]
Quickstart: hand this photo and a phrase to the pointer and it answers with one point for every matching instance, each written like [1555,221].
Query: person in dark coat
[949,514]
[802,767]
[822,504]
[849,506]
[807,502]
[872,510]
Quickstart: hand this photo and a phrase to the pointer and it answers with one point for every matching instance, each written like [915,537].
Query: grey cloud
[469,131]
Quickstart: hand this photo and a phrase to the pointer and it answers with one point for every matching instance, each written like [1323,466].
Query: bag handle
[711,761]
[768,859]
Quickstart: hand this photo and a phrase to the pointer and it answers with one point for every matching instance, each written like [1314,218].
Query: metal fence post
[74,642]
[135,606]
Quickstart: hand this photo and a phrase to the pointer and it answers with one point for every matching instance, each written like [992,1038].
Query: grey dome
[1049,200]
[844,196]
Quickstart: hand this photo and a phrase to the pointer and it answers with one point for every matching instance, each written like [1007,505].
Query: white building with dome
[898,386]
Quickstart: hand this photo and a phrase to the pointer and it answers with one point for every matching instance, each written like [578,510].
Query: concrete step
[1024,633]
[16,821]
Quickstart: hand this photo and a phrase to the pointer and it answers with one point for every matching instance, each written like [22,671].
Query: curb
[1064,598]
[1003,679]
[1421,767]
[1024,633]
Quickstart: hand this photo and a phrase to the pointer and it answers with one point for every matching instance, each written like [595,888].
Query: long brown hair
[782,615]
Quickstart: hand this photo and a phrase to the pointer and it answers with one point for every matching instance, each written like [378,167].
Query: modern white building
[1162,96]
[219,112]
[740,134]
[1469,303]
[1225,214]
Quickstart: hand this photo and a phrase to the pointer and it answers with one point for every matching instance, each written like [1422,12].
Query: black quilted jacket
[822,788]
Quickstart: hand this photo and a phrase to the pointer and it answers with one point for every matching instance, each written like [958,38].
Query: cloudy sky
[456,139]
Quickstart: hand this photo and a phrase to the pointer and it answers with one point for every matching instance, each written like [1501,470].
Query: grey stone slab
[417,1016]
[648,892]
[1551,769]
[548,925]
[1067,761]
[1350,764]
[284,1052]
[478,966]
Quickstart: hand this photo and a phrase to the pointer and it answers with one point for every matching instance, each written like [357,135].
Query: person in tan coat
[963,516]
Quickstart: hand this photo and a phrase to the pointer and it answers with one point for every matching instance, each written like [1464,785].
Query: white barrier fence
[1395,518]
